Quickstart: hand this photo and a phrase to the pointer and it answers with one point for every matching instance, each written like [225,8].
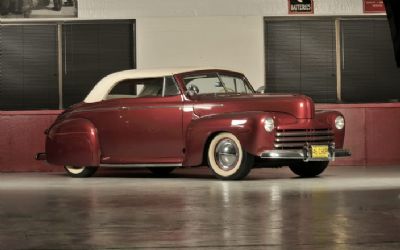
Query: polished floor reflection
[346,208]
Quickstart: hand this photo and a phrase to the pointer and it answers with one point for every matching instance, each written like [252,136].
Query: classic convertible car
[164,119]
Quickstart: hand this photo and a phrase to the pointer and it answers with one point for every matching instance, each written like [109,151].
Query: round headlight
[269,124]
[339,122]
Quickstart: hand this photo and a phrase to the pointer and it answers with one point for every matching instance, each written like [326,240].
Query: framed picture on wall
[38,8]
[301,7]
[374,6]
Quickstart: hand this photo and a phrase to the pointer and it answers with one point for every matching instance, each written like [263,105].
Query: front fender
[248,127]
[73,142]
[328,117]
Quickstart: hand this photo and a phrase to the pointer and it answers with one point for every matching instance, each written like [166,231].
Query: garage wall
[22,136]
[228,42]
[227,33]
[166,8]
[224,33]
[372,133]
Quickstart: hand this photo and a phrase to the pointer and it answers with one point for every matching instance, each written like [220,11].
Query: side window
[234,84]
[137,88]
[171,88]
[150,87]
[125,88]
[205,84]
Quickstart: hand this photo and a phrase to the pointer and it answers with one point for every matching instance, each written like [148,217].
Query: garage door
[300,57]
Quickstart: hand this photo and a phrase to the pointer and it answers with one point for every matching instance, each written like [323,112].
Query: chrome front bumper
[303,154]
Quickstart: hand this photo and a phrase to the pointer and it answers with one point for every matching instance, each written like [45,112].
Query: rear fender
[73,142]
[248,127]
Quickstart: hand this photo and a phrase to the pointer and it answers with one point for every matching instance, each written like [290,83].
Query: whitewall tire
[227,159]
[80,172]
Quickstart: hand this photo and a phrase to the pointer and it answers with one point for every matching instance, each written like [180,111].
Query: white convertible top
[103,87]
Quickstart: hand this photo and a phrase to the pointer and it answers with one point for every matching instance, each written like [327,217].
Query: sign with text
[374,6]
[301,6]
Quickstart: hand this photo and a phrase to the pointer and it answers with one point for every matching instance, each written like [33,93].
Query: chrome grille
[292,139]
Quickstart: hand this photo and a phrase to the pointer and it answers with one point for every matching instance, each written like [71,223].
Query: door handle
[123,108]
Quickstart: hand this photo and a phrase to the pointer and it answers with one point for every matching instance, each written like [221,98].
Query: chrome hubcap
[226,154]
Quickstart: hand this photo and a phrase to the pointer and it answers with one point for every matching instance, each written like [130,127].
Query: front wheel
[308,169]
[80,172]
[227,159]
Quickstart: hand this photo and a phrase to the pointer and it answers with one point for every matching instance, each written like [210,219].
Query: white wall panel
[338,7]
[89,9]
[228,42]
[225,33]
[111,9]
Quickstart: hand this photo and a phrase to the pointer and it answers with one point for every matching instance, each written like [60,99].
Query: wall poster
[374,6]
[38,8]
[301,6]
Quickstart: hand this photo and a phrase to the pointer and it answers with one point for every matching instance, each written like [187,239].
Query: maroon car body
[177,125]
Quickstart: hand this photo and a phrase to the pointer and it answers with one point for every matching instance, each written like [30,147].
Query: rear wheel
[308,169]
[161,171]
[227,159]
[80,172]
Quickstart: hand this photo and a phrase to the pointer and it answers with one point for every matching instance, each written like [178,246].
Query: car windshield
[214,83]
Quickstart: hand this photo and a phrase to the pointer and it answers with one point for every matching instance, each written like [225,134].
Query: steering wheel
[194,88]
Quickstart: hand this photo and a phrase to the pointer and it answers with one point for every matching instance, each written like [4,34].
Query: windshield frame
[219,73]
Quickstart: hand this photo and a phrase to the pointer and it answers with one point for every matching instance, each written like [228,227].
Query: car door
[149,127]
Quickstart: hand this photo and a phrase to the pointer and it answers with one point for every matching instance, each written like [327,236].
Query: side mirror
[261,90]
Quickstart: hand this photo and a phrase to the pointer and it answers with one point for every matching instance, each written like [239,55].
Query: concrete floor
[346,208]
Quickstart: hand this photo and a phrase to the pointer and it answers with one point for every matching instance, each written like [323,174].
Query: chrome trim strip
[308,139]
[125,108]
[283,154]
[207,106]
[154,107]
[141,165]
[41,156]
[325,132]
[299,144]
[180,106]
[302,154]
[164,84]
[342,153]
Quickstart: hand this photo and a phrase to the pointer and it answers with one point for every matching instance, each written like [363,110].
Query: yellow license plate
[319,151]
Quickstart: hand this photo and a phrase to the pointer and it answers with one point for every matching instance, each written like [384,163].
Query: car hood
[299,106]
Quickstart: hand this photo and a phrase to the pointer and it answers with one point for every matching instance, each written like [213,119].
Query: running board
[166,165]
